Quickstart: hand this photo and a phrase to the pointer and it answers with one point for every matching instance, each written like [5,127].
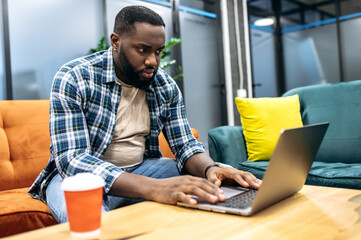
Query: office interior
[224,52]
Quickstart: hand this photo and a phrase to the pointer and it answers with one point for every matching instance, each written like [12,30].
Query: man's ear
[115,41]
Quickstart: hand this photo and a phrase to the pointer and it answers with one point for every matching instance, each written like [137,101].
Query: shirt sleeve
[177,130]
[70,141]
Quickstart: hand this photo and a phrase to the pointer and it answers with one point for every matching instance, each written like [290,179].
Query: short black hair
[125,19]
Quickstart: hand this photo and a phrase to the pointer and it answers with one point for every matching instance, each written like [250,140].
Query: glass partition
[311,46]
[311,56]
[200,57]
[308,47]
[46,34]
[350,39]
[263,62]
[263,52]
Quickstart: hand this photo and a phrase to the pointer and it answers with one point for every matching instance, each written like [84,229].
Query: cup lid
[82,182]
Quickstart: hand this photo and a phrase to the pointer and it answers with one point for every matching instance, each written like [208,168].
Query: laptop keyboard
[242,200]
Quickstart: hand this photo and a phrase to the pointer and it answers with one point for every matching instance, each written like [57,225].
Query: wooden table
[313,213]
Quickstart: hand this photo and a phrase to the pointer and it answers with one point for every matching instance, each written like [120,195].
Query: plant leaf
[172,42]
[101,46]
[165,54]
[180,75]
[166,64]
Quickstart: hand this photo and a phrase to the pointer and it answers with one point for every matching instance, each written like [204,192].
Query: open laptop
[286,173]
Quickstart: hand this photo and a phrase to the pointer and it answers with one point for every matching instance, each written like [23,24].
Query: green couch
[338,161]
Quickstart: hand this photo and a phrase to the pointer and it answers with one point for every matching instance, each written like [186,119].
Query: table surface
[313,213]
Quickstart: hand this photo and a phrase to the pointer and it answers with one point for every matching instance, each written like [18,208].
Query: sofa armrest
[227,145]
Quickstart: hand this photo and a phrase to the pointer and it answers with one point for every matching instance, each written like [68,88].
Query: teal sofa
[338,161]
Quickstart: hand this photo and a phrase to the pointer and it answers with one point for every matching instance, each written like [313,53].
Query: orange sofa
[24,152]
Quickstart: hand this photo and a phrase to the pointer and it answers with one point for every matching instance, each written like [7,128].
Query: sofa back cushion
[24,141]
[340,105]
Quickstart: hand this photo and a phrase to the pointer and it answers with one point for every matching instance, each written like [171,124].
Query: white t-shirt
[133,125]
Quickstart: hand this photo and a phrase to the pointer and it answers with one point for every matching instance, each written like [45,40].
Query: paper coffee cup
[84,196]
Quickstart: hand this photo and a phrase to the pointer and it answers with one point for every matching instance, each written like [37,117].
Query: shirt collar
[108,67]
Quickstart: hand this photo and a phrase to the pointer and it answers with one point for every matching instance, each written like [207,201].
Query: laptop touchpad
[232,191]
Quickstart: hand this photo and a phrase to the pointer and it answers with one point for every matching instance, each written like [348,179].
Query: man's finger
[207,185]
[214,179]
[245,179]
[212,196]
[184,198]
[239,179]
[248,180]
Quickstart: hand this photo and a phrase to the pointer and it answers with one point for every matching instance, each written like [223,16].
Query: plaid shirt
[83,106]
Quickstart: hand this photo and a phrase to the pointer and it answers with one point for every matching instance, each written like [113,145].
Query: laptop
[285,175]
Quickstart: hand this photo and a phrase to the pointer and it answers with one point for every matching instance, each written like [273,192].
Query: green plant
[165,62]
[102,45]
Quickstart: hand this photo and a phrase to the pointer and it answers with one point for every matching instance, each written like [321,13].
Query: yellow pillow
[263,119]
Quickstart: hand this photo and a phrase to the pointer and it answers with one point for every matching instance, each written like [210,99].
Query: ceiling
[296,12]
[347,6]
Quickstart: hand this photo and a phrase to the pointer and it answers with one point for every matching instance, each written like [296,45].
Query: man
[106,112]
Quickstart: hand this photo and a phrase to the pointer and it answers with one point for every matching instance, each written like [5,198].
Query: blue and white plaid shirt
[83,106]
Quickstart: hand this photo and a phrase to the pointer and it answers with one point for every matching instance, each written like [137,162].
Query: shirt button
[105,146]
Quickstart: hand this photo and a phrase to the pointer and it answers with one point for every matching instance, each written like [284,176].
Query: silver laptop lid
[289,165]
[286,173]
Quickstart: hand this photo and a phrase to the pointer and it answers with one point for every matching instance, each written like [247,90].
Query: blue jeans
[154,168]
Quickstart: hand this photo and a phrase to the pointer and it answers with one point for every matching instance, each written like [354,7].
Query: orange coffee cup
[84,196]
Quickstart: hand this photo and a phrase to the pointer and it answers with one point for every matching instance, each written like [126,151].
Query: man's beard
[133,76]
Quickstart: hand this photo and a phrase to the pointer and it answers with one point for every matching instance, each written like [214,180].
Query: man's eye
[158,52]
[142,50]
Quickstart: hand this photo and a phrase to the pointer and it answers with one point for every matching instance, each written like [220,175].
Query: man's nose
[151,60]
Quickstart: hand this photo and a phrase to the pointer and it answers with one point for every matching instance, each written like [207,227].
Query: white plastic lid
[82,182]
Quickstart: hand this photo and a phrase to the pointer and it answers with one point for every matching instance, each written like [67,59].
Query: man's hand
[166,190]
[199,162]
[180,189]
[218,175]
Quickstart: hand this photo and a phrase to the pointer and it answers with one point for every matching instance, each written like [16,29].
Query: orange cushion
[24,141]
[19,212]
[164,145]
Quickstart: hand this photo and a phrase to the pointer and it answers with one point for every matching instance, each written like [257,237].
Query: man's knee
[170,168]
[158,168]
[55,199]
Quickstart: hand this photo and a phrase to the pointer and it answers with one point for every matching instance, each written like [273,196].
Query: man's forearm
[166,190]
[197,163]
[132,186]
